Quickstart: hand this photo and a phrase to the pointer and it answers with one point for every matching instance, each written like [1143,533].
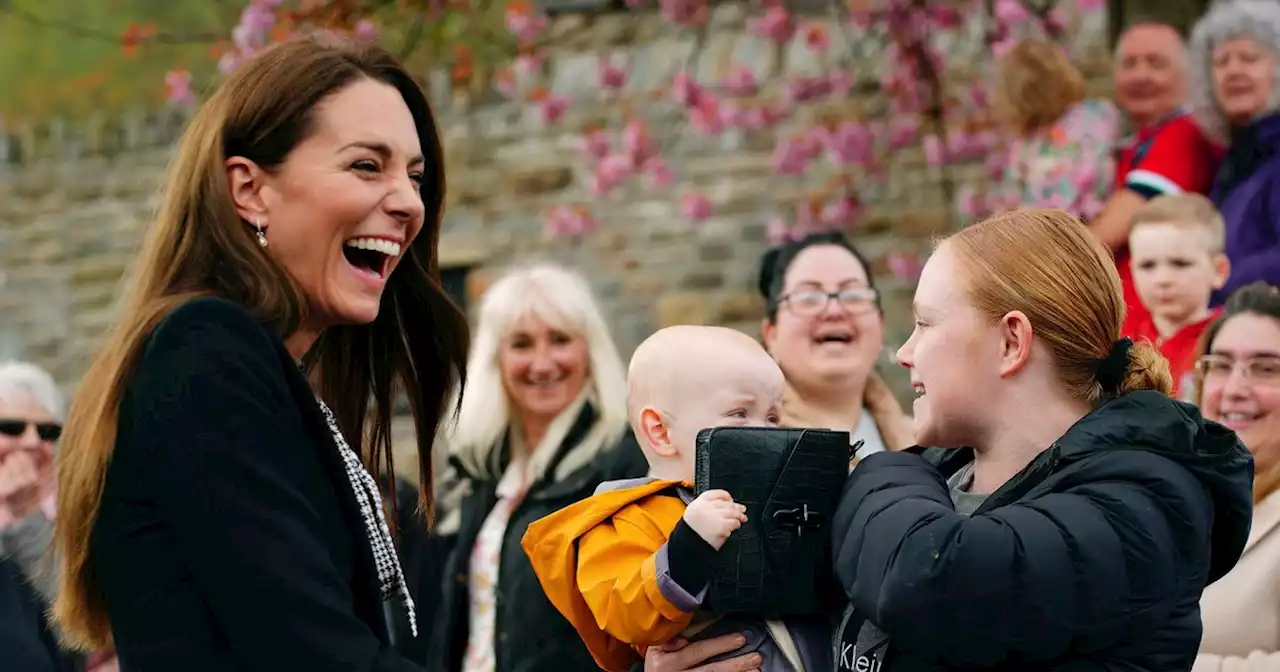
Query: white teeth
[1237,416]
[387,247]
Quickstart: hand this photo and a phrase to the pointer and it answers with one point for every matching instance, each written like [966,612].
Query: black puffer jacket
[1092,558]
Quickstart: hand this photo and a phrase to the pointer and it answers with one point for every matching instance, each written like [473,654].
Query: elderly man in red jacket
[1167,153]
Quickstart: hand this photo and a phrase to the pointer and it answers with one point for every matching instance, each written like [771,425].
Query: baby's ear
[656,432]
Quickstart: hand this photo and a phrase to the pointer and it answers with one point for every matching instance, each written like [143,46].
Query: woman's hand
[678,655]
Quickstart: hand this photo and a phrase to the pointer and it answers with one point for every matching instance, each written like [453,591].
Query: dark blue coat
[26,641]
[1092,558]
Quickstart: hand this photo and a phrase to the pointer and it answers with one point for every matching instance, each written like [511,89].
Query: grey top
[26,542]
[960,482]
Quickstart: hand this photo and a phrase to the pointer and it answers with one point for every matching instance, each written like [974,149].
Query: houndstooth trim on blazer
[390,575]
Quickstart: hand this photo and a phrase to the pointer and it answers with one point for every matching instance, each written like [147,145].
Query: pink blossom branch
[914,80]
[935,111]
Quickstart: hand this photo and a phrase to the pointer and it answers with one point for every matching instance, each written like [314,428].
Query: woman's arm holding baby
[643,586]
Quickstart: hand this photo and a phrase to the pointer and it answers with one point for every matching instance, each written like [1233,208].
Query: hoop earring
[262,233]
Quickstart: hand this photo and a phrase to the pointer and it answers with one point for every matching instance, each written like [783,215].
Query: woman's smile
[372,258]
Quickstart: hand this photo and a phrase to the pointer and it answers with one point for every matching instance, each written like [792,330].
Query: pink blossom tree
[845,155]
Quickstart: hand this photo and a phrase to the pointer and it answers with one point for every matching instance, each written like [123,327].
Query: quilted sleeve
[1074,570]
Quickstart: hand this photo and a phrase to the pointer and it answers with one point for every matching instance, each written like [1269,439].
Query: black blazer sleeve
[1075,570]
[230,464]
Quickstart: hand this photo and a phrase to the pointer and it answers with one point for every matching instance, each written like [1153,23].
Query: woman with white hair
[542,422]
[31,415]
[1235,99]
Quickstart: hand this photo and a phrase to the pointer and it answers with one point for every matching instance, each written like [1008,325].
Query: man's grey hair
[25,383]
[1258,20]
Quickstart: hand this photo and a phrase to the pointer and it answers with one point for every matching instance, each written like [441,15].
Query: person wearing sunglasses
[31,411]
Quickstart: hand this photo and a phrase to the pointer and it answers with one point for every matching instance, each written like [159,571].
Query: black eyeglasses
[47,431]
[808,302]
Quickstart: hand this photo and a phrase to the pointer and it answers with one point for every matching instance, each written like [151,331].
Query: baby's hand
[714,516]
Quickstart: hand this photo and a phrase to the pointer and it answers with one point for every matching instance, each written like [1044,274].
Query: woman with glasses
[825,326]
[1239,385]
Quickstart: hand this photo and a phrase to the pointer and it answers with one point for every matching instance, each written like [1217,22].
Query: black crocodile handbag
[779,562]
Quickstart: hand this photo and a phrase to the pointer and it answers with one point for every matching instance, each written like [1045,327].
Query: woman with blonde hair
[1062,152]
[216,509]
[1070,513]
[543,422]
[1238,384]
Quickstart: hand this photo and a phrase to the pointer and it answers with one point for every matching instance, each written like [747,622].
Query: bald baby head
[684,379]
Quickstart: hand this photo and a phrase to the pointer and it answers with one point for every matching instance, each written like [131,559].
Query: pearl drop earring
[262,233]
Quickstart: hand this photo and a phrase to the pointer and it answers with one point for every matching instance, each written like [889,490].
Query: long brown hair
[1256,298]
[198,245]
[1048,265]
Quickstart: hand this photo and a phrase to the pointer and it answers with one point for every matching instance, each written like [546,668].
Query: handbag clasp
[800,518]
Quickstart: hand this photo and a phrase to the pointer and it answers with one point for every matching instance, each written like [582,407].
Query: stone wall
[75,196]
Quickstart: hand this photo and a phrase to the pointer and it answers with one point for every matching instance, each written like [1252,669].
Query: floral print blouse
[1069,165]
[480,655]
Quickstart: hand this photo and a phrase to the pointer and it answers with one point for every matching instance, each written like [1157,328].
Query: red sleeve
[1180,159]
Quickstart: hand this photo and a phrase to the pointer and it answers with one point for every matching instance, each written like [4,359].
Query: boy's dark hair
[775,262]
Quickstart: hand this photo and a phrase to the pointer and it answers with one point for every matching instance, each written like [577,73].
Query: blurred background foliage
[69,58]
[73,57]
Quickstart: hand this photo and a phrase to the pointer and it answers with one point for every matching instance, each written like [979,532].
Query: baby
[629,566]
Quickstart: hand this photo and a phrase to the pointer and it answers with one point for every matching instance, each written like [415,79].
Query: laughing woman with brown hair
[216,509]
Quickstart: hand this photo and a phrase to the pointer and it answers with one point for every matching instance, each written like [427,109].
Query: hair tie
[1113,367]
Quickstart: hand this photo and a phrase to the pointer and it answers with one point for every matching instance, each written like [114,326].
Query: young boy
[1176,248]
[630,565]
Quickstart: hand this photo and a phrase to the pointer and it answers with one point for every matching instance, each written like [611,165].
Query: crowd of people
[1197,117]
[1087,479]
